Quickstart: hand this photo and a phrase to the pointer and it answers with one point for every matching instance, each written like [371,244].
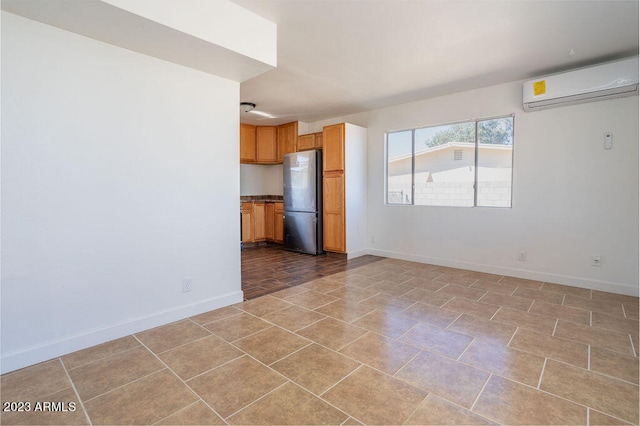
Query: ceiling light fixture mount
[247,106]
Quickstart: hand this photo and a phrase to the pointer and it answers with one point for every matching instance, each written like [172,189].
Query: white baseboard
[357,253]
[514,272]
[25,357]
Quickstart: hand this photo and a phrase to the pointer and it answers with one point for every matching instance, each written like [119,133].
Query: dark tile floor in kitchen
[270,268]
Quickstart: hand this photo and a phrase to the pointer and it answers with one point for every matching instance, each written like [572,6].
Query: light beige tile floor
[391,342]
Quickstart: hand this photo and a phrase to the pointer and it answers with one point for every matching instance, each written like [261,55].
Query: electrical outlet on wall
[186,285]
[596,260]
[522,256]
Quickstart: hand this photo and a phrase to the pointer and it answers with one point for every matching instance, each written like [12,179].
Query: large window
[460,164]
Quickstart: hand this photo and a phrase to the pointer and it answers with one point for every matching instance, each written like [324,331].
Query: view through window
[461,164]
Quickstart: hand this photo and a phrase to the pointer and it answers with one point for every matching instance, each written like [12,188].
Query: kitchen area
[322,211]
[262,150]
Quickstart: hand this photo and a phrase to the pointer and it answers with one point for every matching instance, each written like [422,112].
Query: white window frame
[476,152]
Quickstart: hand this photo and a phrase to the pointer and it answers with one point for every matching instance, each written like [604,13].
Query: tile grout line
[544,365]
[189,342]
[104,358]
[179,378]
[416,409]
[345,378]
[452,322]
[240,312]
[486,382]
[495,313]
[305,326]
[512,337]
[633,348]
[217,366]
[256,400]
[581,404]
[126,384]
[75,390]
[473,340]
[182,409]
[288,380]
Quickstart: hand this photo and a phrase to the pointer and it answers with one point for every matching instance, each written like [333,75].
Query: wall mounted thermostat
[608,140]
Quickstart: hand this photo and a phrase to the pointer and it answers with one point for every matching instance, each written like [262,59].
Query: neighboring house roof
[452,145]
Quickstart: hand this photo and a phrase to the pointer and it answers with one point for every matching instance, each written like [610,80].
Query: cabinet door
[247,143]
[266,144]
[334,214]
[278,225]
[247,222]
[333,148]
[269,221]
[258,222]
[306,142]
[318,140]
[287,138]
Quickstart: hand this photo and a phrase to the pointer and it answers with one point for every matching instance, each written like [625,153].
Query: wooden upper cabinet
[287,139]
[247,143]
[306,142]
[333,147]
[266,144]
[310,141]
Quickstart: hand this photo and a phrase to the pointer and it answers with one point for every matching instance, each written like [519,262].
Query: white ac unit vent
[609,80]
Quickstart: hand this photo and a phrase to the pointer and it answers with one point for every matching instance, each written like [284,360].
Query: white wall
[571,198]
[260,179]
[356,189]
[119,179]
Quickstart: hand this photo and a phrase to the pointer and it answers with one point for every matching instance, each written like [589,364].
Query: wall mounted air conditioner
[609,80]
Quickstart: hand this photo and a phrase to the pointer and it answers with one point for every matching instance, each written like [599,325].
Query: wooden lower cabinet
[278,223]
[269,221]
[259,230]
[247,222]
[262,222]
[334,215]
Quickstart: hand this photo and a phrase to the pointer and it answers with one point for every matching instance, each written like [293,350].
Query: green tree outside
[498,131]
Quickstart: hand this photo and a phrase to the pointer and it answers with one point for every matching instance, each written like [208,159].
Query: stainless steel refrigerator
[302,177]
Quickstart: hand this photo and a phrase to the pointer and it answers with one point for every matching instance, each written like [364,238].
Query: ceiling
[338,57]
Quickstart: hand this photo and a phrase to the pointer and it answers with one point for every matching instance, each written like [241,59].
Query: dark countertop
[261,198]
